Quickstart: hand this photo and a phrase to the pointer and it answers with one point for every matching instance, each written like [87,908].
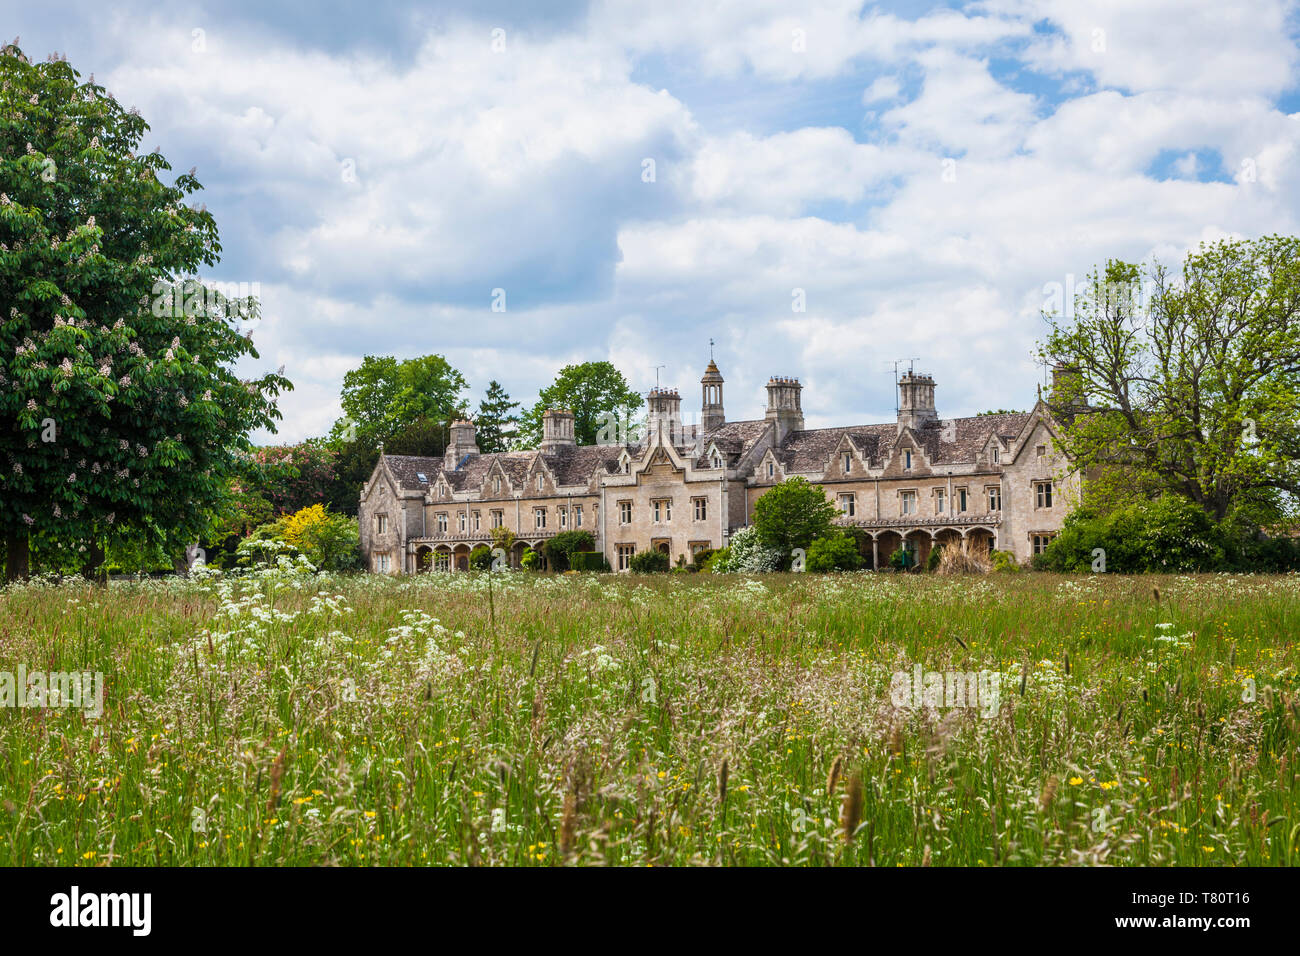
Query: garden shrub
[747,555]
[836,551]
[648,562]
[1003,561]
[717,561]
[700,560]
[1170,534]
[559,548]
[588,561]
[330,542]
[902,560]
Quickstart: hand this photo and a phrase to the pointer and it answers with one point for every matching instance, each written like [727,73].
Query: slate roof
[810,449]
[734,439]
[572,466]
[947,441]
[407,468]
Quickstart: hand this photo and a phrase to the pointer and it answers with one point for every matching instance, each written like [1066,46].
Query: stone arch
[460,559]
[887,542]
[981,538]
[423,559]
[920,542]
[542,563]
[949,538]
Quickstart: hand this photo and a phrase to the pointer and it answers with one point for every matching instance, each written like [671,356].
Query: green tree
[496,420]
[120,414]
[502,537]
[405,406]
[276,480]
[792,515]
[385,396]
[1190,386]
[593,390]
[293,477]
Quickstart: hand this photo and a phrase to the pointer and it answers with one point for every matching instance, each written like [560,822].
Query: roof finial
[710,350]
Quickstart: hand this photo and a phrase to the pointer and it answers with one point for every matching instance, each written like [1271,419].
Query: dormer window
[627,466]
[907,460]
[539,481]
[848,463]
[771,469]
[997,454]
[496,485]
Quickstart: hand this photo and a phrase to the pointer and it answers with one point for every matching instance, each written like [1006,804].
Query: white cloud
[1218,49]
[785,172]
[523,170]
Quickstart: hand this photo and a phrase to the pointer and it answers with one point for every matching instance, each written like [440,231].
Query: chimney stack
[783,406]
[461,442]
[916,401]
[664,415]
[557,431]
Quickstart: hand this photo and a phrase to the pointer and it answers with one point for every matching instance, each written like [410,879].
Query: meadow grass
[289,718]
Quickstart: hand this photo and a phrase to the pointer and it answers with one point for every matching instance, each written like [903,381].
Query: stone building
[990,481]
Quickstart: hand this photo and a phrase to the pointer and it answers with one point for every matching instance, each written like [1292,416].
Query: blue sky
[924,172]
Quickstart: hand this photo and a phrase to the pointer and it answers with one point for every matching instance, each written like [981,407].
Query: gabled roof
[570,466]
[962,440]
[575,466]
[406,470]
[947,441]
[809,449]
[734,439]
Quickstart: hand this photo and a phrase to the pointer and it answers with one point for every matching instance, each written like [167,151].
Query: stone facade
[991,481]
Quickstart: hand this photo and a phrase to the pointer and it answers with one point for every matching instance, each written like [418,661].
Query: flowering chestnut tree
[120,413]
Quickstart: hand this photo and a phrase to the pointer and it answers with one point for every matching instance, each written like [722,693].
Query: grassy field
[285,718]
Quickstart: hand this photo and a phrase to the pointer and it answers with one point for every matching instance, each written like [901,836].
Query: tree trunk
[92,566]
[16,556]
